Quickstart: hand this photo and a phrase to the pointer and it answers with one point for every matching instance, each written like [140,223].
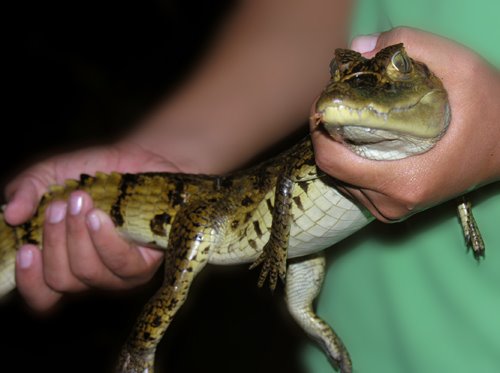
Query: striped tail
[102,186]
[8,247]
[141,205]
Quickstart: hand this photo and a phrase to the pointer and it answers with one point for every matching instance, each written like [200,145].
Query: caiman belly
[321,216]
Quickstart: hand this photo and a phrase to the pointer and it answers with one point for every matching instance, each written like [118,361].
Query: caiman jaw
[373,133]
[426,118]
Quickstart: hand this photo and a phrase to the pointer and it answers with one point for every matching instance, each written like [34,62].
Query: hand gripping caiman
[279,214]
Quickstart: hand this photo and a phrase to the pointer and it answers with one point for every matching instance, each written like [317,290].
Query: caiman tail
[11,238]
[141,206]
[8,246]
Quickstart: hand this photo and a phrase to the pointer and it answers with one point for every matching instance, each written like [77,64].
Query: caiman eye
[401,62]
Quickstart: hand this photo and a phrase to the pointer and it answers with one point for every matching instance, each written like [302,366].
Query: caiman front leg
[191,237]
[274,253]
[303,284]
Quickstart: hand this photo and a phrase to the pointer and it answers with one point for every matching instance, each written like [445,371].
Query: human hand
[466,157]
[81,248]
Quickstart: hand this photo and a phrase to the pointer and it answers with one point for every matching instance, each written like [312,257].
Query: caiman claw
[273,260]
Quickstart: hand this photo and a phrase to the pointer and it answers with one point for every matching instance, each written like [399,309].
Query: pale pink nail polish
[364,43]
[75,204]
[93,221]
[24,257]
[56,212]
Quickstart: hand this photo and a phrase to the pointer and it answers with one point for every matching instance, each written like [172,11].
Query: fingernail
[75,204]
[364,43]
[93,221]
[56,212]
[24,257]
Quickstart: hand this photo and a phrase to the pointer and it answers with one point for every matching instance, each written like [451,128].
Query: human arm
[254,87]
[467,157]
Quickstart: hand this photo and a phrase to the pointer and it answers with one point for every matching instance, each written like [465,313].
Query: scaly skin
[282,211]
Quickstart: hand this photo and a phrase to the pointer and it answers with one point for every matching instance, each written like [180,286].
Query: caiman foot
[135,362]
[273,262]
[472,235]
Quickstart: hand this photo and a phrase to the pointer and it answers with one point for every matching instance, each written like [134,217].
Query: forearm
[255,86]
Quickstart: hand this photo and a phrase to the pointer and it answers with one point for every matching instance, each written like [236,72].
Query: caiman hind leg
[303,284]
[191,238]
[472,234]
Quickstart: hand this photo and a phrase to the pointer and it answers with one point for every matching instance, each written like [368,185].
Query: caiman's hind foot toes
[272,268]
[134,362]
[472,234]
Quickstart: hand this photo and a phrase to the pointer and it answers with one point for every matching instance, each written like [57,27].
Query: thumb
[22,201]
[365,44]
[368,45]
[421,45]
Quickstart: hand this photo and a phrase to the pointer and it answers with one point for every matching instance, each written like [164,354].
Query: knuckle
[58,282]
[400,34]
[88,275]
[393,208]
[130,273]
[389,213]
[402,205]
[417,197]
[393,215]
[133,275]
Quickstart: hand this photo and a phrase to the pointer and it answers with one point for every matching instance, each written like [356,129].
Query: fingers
[338,161]
[133,264]
[84,250]
[24,192]
[22,202]
[57,271]
[30,279]
[81,250]
[84,263]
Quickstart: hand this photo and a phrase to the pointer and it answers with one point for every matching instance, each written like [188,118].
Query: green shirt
[407,297]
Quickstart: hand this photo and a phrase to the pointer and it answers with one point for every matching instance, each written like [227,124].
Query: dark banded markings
[158,223]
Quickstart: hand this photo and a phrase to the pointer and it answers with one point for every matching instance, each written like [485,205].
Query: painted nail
[93,221]
[56,212]
[75,204]
[24,257]
[364,43]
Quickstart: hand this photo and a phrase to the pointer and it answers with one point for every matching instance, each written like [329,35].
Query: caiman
[280,214]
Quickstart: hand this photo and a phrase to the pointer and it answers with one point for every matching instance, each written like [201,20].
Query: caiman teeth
[341,106]
[425,118]
[353,115]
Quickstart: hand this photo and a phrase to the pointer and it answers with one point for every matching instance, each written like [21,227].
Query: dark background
[79,73]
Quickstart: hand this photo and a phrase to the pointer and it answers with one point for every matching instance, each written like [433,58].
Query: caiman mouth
[356,135]
[427,117]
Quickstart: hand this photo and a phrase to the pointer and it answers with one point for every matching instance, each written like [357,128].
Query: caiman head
[386,107]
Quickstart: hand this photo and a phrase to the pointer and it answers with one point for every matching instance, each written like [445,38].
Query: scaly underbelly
[325,218]
[321,217]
